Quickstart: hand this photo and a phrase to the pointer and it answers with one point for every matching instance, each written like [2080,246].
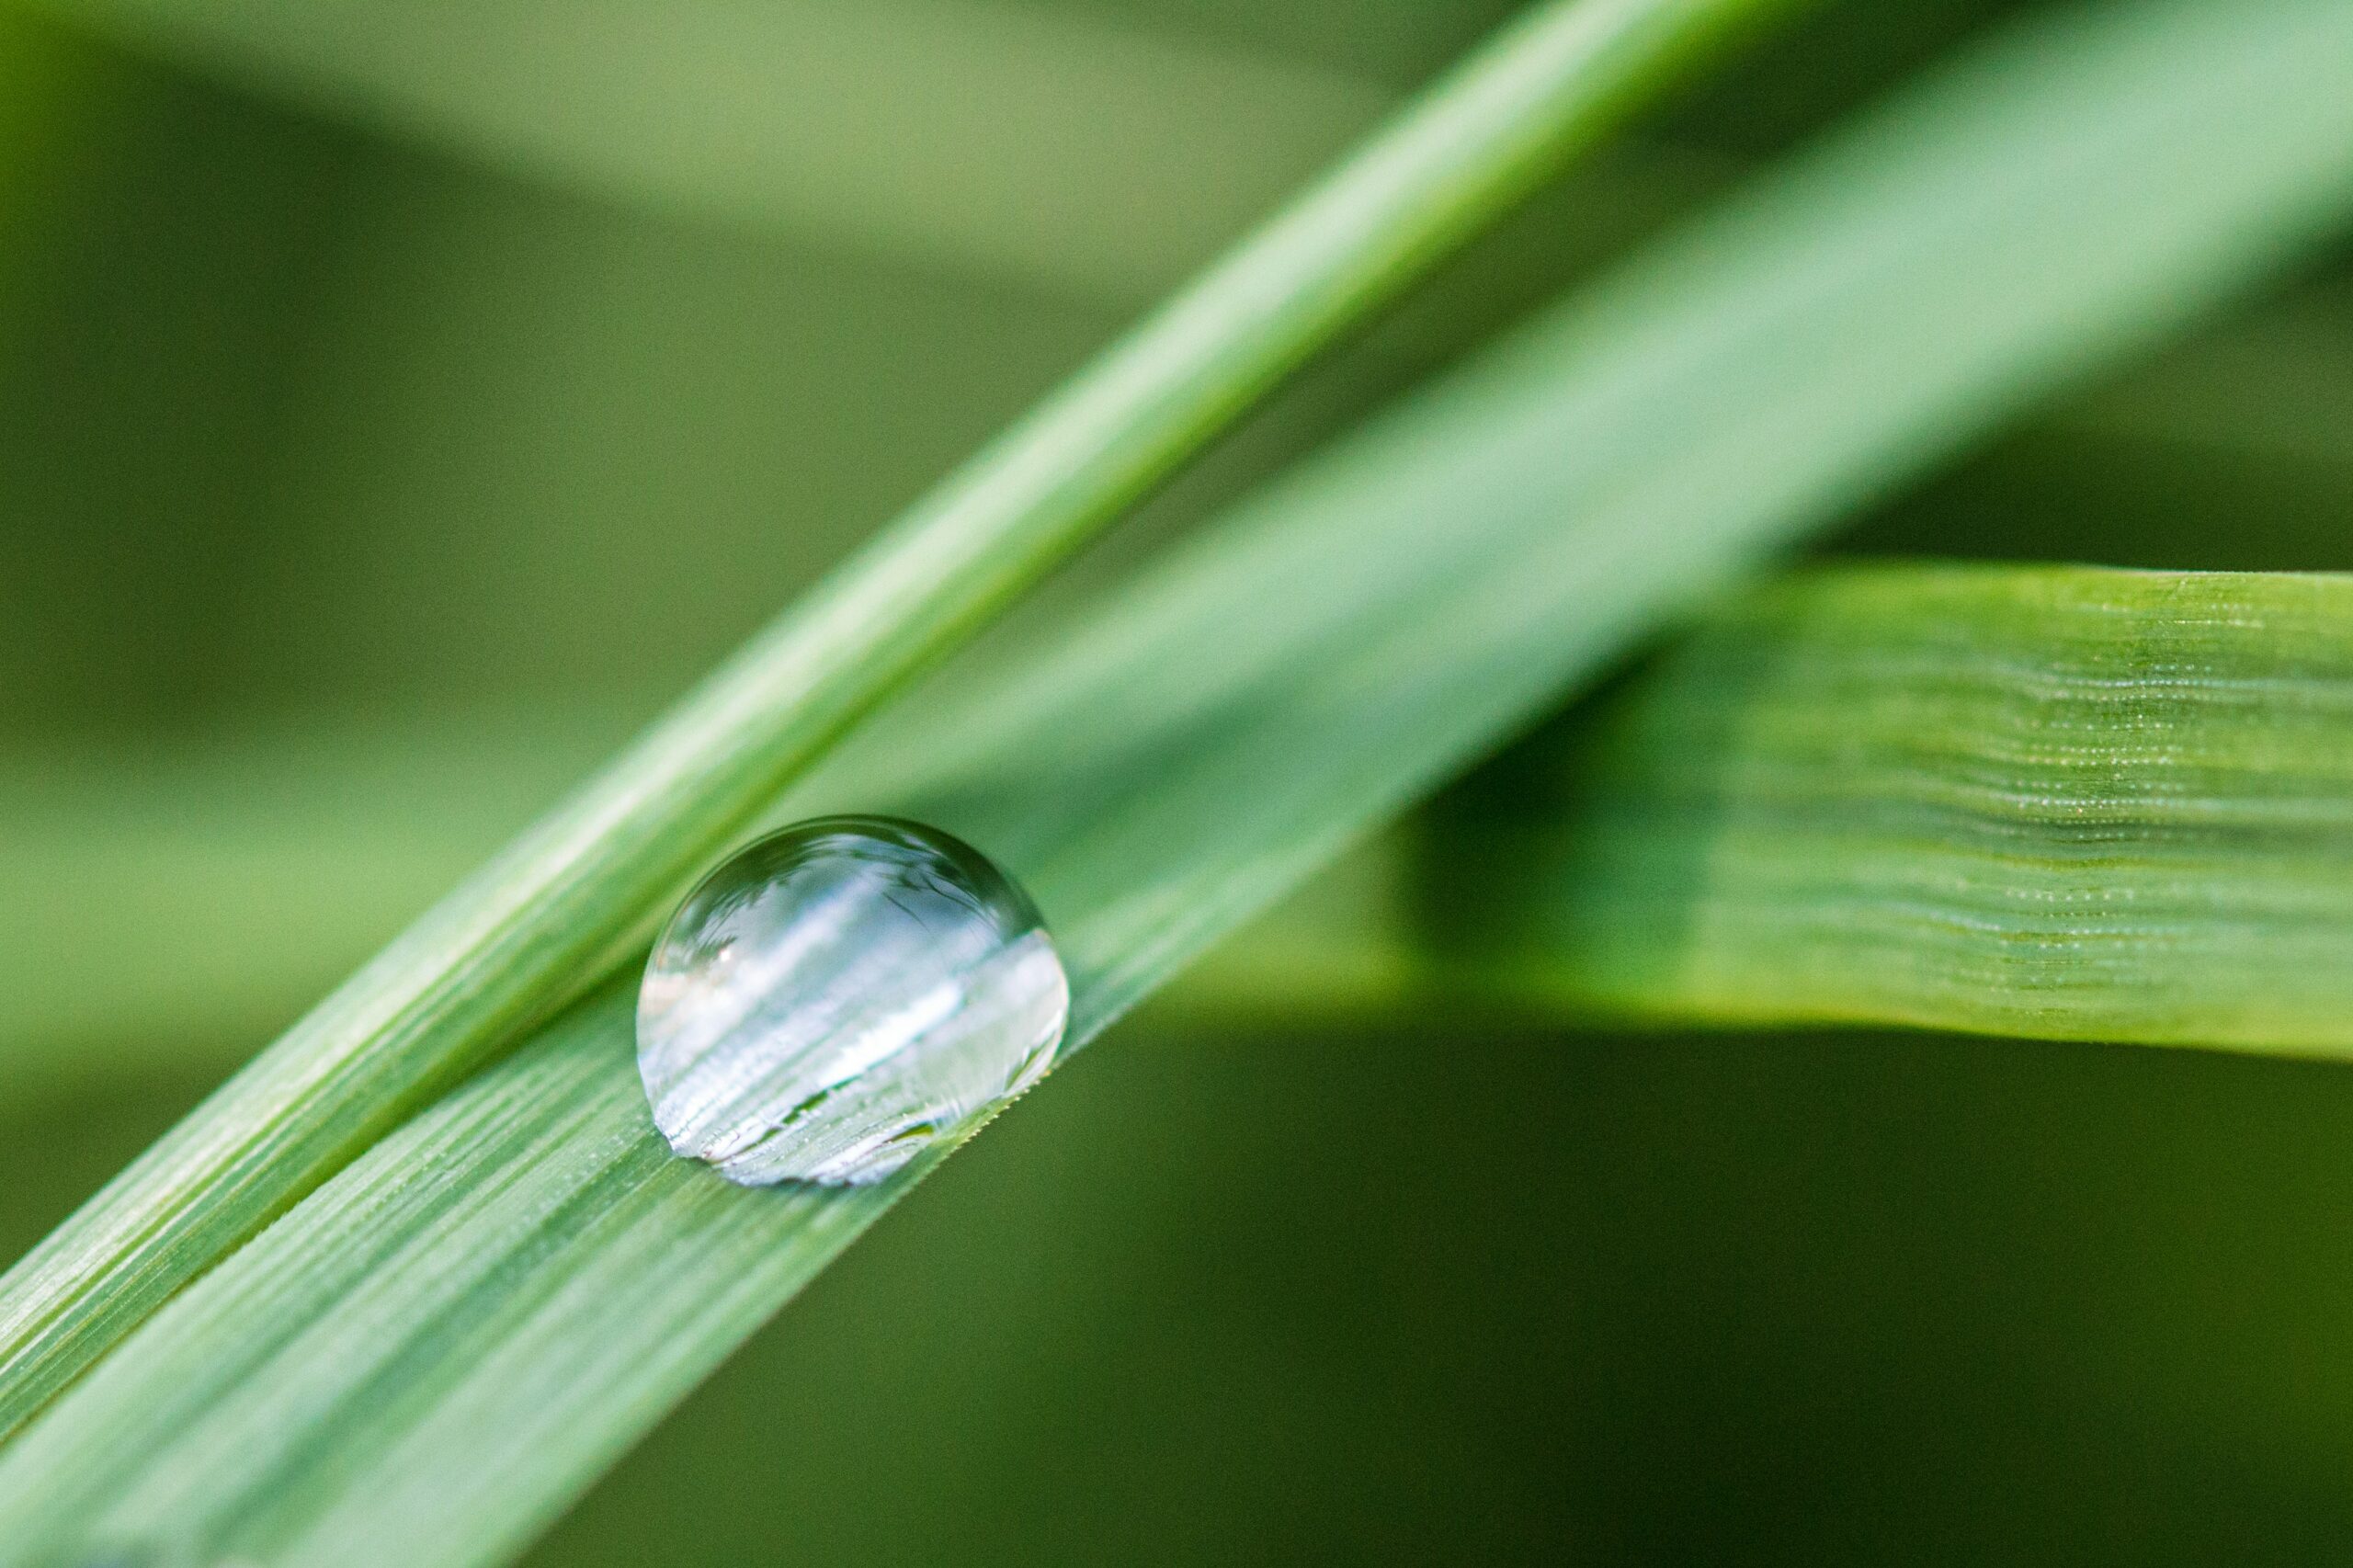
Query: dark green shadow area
[60,1143]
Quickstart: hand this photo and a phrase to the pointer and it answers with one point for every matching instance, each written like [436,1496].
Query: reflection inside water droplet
[840,995]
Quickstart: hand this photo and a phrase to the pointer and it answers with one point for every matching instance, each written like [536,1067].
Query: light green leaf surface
[551,914]
[2054,802]
[424,1361]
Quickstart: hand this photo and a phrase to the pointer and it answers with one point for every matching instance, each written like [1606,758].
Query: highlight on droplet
[836,996]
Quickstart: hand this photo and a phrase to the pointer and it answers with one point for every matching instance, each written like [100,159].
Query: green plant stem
[554,911]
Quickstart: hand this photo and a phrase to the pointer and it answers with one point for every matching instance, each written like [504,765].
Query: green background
[356,492]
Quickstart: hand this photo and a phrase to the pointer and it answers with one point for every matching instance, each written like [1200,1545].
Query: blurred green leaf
[1079,152]
[2278,387]
[153,261]
[551,915]
[428,1358]
[2226,452]
[2062,803]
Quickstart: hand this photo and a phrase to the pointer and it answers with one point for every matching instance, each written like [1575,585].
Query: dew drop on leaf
[838,995]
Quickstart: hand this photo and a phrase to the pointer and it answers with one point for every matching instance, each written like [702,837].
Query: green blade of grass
[2062,803]
[423,1360]
[547,916]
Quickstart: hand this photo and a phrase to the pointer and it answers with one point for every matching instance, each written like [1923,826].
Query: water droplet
[837,995]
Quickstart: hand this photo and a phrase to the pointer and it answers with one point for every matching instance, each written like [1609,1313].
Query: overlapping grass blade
[2054,802]
[551,913]
[423,1360]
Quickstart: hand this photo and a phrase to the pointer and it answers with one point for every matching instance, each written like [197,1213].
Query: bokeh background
[400,403]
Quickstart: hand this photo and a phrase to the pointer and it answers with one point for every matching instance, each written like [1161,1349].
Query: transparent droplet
[837,995]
